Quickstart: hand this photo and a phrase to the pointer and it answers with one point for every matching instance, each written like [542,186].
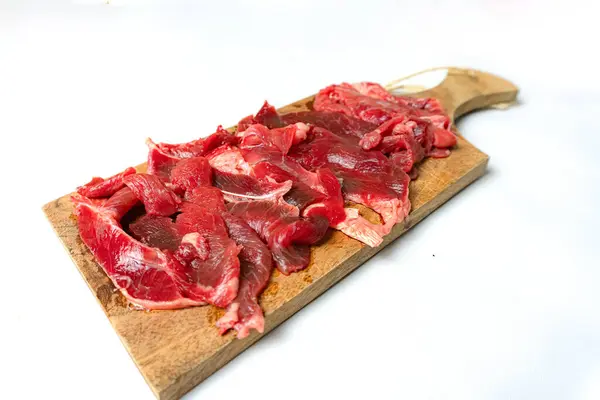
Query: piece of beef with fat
[142,273]
[157,198]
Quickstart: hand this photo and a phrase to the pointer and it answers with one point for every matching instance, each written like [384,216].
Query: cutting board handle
[464,90]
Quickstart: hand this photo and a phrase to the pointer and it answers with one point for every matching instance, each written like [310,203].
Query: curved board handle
[464,90]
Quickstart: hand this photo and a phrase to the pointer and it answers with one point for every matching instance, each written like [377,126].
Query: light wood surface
[176,350]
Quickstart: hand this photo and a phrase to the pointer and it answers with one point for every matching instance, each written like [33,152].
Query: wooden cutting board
[176,350]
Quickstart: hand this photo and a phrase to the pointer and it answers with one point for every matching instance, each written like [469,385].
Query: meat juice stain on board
[271,290]
[214,314]
[104,294]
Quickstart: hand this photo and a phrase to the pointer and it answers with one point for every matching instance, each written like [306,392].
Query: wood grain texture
[176,350]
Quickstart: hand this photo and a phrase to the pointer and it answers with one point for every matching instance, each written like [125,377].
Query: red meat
[255,270]
[156,231]
[190,173]
[162,157]
[99,187]
[287,235]
[372,103]
[281,139]
[157,198]
[142,273]
[368,177]
[207,197]
[207,266]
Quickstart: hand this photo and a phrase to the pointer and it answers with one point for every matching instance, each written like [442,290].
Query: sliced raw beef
[368,177]
[255,270]
[411,139]
[267,116]
[228,159]
[160,163]
[207,197]
[405,140]
[385,183]
[156,231]
[287,235]
[244,187]
[157,198]
[384,192]
[199,147]
[234,176]
[120,203]
[162,157]
[315,193]
[281,139]
[208,268]
[391,137]
[142,273]
[372,103]
[408,140]
[190,173]
[340,124]
[286,179]
[376,91]
[99,187]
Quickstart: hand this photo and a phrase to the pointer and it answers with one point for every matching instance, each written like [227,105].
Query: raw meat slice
[162,157]
[198,147]
[368,177]
[99,187]
[142,273]
[228,159]
[393,136]
[157,198]
[372,103]
[255,270]
[156,231]
[332,206]
[338,123]
[120,203]
[267,115]
[287,235]
[398,135]
[160,163]
[314,193]
[290,243]
[234,176]
[264,162]
[207,197]
[190,173]
[386,194]
[207,266]
[302,196]
[412,139]
[243,187]
[195,252]
[376,91]
[277,138]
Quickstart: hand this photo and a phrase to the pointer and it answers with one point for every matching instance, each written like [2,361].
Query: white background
[507,309]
